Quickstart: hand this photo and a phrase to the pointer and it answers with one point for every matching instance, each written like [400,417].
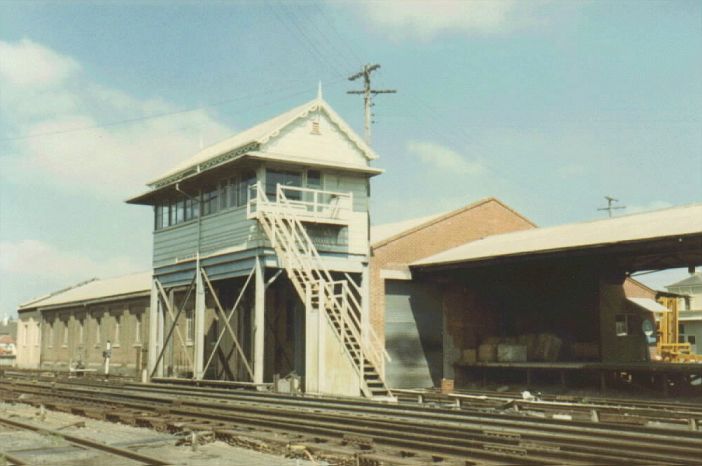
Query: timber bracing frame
[226,318]
[163,305]
[163,301]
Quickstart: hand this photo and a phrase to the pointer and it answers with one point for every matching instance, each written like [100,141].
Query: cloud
[31,268]
[48,102]
[443,158]
[26,63]
[653,205]
[41,260]
[426,19]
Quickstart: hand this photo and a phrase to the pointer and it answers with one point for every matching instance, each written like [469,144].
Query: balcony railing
[311,205]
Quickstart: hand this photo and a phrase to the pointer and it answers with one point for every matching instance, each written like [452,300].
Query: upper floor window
[180,211]
[314,179]
[233,192]
[163,215]
[283,178]
[248,178]
[210,202]
[192,209]
[174,212]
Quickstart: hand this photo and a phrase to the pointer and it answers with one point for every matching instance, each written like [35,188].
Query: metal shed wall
[413,335]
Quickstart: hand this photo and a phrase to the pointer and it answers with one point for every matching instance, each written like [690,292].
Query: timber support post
[155,332]
[259,321]
[199,340]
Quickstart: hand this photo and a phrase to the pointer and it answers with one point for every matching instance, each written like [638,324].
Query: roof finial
[319,91]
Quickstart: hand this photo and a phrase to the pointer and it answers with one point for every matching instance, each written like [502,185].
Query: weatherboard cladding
[358,186]
[220,230]
[230,228]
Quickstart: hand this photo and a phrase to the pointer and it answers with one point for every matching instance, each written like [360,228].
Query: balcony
[308,205]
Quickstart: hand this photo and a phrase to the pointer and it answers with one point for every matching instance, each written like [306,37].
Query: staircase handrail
[305,267]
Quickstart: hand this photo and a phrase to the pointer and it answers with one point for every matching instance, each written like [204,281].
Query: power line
[330,22]
[155,116]
[368,94]
[287,18]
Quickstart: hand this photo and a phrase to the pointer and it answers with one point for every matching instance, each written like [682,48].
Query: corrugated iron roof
[95,290]
[675,221]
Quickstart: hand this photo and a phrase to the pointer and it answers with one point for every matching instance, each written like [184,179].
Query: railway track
[407,429]
[16,458]
[611,410]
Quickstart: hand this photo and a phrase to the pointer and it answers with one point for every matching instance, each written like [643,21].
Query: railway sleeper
[571,453]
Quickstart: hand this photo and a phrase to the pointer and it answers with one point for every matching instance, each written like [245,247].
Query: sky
[546,105]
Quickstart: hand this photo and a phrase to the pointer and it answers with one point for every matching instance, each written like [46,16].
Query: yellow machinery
[668,345]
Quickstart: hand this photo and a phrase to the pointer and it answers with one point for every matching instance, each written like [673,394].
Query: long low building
[70,329]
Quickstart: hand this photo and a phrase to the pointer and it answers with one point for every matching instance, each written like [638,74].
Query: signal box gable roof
[136,284]
[665,223]
[251,139]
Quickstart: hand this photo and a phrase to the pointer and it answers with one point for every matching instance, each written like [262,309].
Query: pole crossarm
[166,302]
[367,92]
[227,325]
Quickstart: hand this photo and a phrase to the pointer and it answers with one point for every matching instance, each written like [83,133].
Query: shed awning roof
[676,222]
[649,305]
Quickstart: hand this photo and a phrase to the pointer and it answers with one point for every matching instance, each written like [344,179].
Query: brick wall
[636,289]
[475,221]
[80,333]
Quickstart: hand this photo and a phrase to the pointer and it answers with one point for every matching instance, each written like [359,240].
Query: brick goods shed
[555,295]
[403,312]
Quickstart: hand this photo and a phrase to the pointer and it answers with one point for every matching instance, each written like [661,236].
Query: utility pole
[368,94]
[610,205]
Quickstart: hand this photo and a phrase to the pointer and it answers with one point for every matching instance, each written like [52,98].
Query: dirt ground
[36,448]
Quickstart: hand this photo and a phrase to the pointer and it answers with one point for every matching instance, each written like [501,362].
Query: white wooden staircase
[339,299]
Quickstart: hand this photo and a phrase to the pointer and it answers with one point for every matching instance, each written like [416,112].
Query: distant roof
[260,134]
[693,280]
[671,222]
[95,290]
[7,339]
[381,234]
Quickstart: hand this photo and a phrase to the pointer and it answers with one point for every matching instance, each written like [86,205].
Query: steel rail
[432,414]
[468,404]
[410,395]
[483,451]
[600,400]
[188,406]
[365,406]
[86,443]
[622,415]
